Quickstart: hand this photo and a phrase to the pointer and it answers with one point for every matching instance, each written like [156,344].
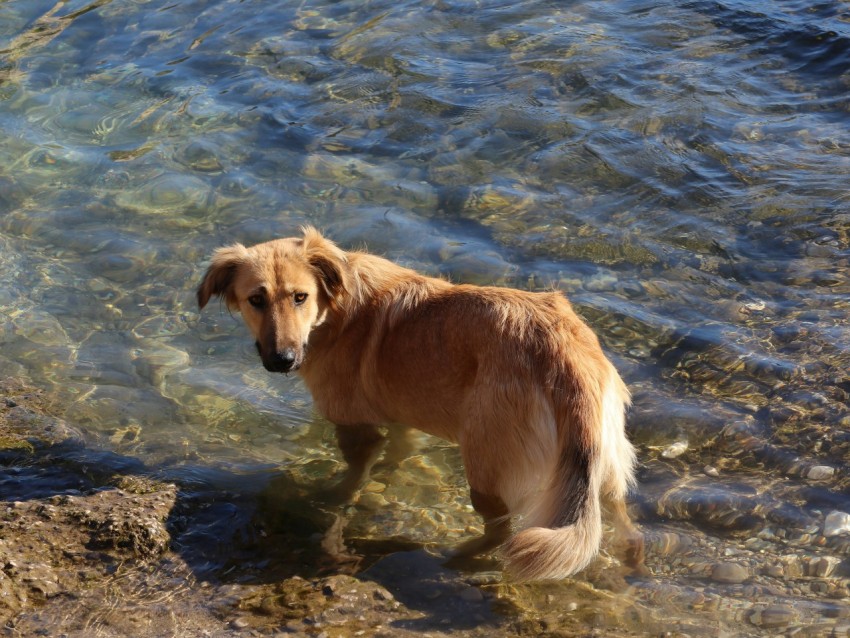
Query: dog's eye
[300,297]
[258,301]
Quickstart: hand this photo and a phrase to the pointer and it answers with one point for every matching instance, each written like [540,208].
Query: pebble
[754,306]
[776,571]
[772,616]
[792,566]
[836,523]
[731,573]
[239,623]
[824,566]
[601,282]
[820,472]
[675,450]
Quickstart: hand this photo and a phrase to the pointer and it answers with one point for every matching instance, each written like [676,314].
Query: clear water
[679,169]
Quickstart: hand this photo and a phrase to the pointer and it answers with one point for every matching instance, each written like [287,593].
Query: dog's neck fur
[374,281]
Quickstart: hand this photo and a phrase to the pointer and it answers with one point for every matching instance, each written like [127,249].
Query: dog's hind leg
[628,539]
[497,525]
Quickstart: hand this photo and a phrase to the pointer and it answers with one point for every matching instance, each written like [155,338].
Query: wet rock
[792,566]
[200,156]
[155,361]
[239,623]
[52,549]
[775,571]
[40,327]
[675,450]
[773,616]
[166,194]
[122,520]
[836,523]
[40,428]
[820,472]
[823,567]
[329,601]
[601,282]
[372,501]
[729,573]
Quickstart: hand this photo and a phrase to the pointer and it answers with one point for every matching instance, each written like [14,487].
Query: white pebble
[675,450]
[820,472]
[836,523]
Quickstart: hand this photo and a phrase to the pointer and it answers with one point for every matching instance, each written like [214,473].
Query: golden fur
[517,379]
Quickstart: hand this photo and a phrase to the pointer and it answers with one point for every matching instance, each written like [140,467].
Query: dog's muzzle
[284,361]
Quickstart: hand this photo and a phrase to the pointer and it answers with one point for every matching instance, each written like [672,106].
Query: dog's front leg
[361,446]
[402,443]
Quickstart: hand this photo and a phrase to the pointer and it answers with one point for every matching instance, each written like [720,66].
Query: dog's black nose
[287,357]
[283,361]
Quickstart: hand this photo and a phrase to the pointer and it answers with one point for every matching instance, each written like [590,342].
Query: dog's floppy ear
[329,262]
[218,279]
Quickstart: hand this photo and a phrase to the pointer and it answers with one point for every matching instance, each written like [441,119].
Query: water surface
[678,169]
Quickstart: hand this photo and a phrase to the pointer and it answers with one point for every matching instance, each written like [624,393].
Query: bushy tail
[539,553]
[592,437]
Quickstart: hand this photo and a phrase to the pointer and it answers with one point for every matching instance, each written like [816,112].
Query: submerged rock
[730,573]
[773,616]
[836,523]
[128,521]
[675,450]
[820,472]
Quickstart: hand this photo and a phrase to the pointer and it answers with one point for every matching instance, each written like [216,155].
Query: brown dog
[515,378]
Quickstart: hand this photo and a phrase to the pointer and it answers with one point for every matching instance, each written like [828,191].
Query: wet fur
[517,379]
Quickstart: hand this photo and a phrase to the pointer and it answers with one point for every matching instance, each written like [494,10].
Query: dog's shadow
[416,574]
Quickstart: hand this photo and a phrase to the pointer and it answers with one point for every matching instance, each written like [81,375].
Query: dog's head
[284,289]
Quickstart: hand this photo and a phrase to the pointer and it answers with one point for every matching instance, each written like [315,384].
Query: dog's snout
[282,361]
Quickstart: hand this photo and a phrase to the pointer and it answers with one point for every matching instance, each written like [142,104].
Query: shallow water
[678,169]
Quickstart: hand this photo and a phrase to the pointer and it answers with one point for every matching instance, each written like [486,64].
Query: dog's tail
[595,458]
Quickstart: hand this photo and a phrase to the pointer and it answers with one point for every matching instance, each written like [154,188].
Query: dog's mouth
[287,360]
[281,367]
